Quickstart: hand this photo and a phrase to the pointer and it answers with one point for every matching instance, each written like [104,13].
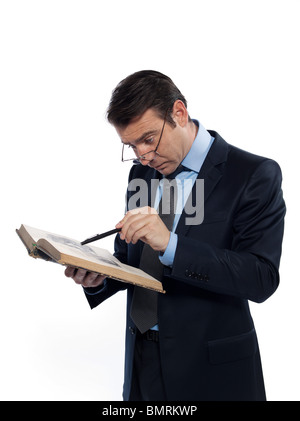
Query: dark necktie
[144,301]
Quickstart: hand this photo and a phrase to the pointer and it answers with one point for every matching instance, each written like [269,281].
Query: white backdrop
[237,63]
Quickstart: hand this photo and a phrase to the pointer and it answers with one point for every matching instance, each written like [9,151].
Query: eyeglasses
[154,151]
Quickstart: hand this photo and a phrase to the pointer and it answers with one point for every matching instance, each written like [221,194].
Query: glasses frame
[142,157]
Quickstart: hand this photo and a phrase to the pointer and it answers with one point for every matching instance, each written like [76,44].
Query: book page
[68,245]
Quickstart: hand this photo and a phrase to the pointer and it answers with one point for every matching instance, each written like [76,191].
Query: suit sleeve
[249,268]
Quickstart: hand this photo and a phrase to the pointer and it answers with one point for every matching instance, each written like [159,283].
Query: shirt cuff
[168,257]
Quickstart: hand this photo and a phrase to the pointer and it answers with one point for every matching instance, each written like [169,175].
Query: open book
[65,251]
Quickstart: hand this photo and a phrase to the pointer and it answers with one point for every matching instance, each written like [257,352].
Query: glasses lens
[128,153]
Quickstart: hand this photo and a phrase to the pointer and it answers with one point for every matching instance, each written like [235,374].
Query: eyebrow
[143,137]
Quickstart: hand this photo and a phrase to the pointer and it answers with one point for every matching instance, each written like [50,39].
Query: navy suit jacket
[208,343]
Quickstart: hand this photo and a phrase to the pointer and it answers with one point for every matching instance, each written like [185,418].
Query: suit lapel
[211,172]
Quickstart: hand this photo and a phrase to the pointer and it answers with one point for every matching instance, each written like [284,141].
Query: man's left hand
[144,224]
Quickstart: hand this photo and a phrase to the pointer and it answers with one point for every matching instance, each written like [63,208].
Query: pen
[99,236]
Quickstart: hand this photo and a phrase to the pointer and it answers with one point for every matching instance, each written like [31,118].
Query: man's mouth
[159,167]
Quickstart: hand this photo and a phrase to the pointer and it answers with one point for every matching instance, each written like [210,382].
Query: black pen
[99,236]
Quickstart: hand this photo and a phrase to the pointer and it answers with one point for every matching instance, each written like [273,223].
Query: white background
[237,63]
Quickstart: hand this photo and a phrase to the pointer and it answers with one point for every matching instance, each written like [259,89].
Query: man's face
[142,135]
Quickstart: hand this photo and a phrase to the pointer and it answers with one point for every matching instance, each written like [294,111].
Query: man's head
[139,92]
[150,115]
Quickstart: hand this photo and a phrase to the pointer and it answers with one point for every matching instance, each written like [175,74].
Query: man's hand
[84,278]
[144,224]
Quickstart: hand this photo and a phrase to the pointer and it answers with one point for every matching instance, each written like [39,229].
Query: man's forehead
[146,124]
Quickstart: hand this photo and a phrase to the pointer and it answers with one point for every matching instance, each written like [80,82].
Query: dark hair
[140,91]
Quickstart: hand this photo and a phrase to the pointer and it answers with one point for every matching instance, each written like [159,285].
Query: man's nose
[145,160]
[145,156]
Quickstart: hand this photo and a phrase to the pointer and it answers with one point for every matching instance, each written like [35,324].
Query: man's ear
[180,114]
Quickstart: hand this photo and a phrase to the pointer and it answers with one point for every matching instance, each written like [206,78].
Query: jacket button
[132,330]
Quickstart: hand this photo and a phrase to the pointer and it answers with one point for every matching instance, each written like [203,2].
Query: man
[202,343]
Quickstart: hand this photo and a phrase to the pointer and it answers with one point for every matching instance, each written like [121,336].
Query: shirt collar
[199,149]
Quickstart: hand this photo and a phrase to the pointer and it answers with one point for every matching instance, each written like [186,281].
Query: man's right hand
[85,278]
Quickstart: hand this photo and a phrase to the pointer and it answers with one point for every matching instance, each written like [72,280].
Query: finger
[141,229]
[144,232]
[89,279]
[154,233]
[79,276]
[93,279]
[140,234]
[70,271]
[145,210]
[133,224]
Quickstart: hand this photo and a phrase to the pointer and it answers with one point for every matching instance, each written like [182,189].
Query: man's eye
[148,141]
